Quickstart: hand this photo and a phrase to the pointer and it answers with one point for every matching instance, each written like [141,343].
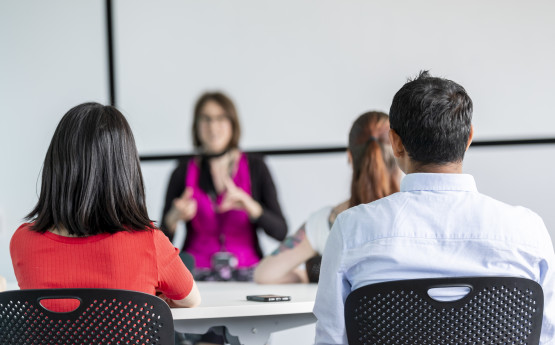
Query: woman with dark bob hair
[223,195]
[375,175]
[90,227]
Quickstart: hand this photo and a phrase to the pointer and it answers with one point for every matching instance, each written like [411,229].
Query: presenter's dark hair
[91,178]
[375,172]
[230,112]
[432,116]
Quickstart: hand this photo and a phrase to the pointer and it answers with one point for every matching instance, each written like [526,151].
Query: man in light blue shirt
[438,225]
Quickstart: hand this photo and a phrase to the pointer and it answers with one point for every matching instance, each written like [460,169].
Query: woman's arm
[281,266]
[192,300]
[175,189]
[264,192]
[176,285]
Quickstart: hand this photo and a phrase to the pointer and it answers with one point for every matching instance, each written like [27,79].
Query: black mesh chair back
[497,310]
[313,268]
[104,316]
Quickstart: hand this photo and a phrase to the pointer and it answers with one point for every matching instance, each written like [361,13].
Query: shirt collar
[438,182]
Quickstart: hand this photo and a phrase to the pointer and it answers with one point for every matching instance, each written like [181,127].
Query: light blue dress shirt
[437,226]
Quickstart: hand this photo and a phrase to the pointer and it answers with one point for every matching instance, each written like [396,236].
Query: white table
[225,304]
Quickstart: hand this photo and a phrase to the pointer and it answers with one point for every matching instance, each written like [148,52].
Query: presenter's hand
[237,199]
[185,206]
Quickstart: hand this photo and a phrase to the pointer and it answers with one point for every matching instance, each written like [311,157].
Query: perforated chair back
[313,268]
[497,310]
[104,316]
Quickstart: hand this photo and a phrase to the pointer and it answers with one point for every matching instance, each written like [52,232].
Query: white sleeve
[317,229]
[333,289]
[547,281]
[548,285]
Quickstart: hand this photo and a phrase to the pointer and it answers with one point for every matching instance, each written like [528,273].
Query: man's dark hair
[91,177]
[432,116]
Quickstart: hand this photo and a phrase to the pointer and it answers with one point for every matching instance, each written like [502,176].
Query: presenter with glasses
[223,195]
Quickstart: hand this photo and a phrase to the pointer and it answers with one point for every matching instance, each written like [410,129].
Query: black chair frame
[497,310]
[104,316]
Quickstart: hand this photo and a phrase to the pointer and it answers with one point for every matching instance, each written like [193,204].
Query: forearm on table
[192,300]
[282,266]
[272,271]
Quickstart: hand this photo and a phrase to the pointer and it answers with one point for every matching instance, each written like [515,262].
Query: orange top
[132,260]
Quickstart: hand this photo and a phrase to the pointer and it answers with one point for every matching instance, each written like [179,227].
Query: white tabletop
[229,299]
[225,304]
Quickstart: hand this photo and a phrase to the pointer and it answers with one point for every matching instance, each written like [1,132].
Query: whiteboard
[300,71]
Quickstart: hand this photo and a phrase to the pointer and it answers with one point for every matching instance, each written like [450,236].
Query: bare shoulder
[335,211]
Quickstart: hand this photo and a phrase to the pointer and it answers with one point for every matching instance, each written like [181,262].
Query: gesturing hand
[185,205]
[237,199]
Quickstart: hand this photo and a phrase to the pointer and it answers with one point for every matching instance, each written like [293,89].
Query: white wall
[517,175]
[52,57]
[301,71]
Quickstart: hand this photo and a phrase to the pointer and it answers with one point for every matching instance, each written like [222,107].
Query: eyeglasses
[207,119]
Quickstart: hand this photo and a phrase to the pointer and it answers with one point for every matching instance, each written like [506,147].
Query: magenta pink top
[208,224]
